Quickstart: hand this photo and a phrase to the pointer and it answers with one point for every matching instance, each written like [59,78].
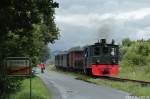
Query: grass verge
[135,72]
[132,88]
[39,91]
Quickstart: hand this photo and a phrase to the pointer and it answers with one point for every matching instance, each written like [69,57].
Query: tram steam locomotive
[99,59]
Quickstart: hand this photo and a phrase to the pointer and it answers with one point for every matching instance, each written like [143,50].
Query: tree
[138,54]
[44,54]
[25,27]
[126,42]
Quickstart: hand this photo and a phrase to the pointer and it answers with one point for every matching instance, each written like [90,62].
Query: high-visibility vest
[42,65]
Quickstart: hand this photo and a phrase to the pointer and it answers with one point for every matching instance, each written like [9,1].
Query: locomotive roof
[100,45]
[79,49]
[105,44]
[62,52]
[75,49]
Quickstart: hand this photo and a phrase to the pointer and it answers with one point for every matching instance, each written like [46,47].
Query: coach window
[97,51]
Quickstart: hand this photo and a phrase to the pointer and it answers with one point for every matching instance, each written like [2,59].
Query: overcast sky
[83,22]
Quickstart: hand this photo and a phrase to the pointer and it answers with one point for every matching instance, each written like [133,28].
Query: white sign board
[18,66]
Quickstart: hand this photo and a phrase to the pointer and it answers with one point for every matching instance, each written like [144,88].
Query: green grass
[135,72]
[39,91]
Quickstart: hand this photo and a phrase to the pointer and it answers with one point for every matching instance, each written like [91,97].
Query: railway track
[144,83]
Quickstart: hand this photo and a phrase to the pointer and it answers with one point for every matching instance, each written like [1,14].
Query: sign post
[19,67]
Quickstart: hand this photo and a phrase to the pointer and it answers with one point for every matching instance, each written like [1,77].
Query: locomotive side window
[86,52]
[97,51]
[112,51]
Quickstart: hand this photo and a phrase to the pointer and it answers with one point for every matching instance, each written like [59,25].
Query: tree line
[135,53]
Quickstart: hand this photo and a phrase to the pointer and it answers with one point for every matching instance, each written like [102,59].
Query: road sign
[18,66]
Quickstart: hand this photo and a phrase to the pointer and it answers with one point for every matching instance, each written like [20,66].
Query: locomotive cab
[101,59]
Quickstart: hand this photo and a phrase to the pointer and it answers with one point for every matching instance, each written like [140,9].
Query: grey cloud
[140,24]
[74,36]
[100,6]
[82,22]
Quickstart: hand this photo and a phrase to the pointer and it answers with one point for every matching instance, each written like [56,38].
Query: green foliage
[44,54]
[135,60]
[26,27]
[9,85]
[29,25]
[38,90]
[126,42]
[137,53]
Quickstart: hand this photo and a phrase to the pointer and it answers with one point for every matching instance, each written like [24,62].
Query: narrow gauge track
[144,83]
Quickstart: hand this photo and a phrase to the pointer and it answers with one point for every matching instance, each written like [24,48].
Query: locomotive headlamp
[113,61]
[97,61]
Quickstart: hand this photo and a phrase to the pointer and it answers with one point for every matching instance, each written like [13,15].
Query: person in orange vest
[42,67]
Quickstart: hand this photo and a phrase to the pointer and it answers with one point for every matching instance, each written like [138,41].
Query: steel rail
[125,80]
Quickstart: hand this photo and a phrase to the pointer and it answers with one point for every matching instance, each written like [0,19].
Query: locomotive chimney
[103,41]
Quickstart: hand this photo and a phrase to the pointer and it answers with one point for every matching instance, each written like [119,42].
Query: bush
[137,53]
